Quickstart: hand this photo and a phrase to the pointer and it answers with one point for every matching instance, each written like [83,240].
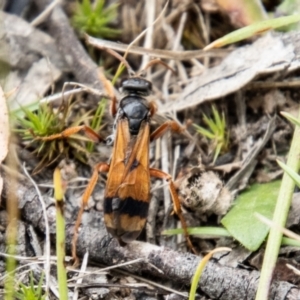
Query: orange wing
[117,166]
[128,188]
[136,178]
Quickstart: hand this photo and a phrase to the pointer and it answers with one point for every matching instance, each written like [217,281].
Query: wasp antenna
[120,58]
[158,61]
[131,73]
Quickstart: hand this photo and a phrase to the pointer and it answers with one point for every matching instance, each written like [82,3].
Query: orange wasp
[127,193]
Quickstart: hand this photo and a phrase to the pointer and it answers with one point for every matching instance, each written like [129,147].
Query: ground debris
[204,193]
[217,281]
[252,85]
[268,54]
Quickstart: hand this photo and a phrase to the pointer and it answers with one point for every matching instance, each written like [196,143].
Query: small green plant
[59,189]
[48,121]
[199,270]
[280,215]
[95,19]
[293,174]
[253,29]
[96,122]
[31,292]
[216,132]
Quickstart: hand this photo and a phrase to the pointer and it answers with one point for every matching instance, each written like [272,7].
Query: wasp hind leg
[177,207]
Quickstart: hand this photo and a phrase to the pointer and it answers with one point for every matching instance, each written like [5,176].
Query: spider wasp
[127,192]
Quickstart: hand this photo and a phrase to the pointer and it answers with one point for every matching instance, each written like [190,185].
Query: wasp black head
[136,85]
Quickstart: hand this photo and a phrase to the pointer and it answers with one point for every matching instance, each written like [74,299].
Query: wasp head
[136,86]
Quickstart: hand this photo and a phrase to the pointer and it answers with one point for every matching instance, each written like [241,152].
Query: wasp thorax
[135,109]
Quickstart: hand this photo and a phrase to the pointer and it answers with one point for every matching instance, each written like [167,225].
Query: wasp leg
[162,129]
[153,108]
[113,106]
[100,167]
[90,133]
[177,207]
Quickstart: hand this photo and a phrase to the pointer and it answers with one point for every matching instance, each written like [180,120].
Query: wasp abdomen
[125,218]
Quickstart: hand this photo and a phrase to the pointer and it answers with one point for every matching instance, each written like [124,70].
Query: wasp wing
[128,187]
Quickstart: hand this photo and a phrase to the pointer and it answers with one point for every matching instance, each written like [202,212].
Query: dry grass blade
[159,53]
[150,8]
[145,30]
[40,18]
[79,279]
[155,62]
[273,224]
[4,132]
[47,231]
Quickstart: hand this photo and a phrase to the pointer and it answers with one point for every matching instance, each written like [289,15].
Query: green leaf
[19,112]
[204,131]
[85,8]
[291,118]
[240,221]
[290,242]
[99,7]
[286,8]
[217,118]
[95,18]
[211,124]
[217,232]
[294,175]
[202,231]
[112,10]
[217,152]
[251,30]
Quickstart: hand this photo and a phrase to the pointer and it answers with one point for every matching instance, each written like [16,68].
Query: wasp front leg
[177,207]
[100,167]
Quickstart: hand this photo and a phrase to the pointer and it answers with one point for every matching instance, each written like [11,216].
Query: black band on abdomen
[127,206]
